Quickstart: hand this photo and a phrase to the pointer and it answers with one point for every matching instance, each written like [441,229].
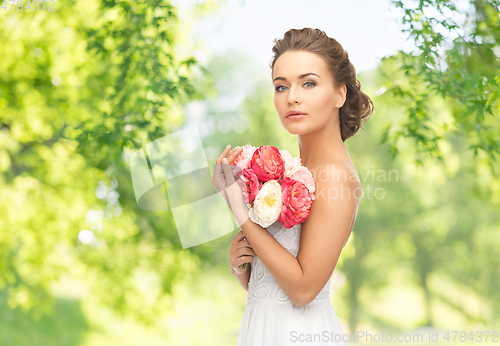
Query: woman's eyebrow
[300,77]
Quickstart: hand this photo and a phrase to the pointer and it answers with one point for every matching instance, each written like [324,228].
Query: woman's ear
[341,94]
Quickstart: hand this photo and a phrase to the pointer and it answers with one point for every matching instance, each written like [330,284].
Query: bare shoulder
[337,180]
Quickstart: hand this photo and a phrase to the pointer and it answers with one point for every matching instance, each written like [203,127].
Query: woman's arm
[245,277]
[322,238]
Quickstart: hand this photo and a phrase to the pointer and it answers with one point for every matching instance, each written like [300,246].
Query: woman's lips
[296,116]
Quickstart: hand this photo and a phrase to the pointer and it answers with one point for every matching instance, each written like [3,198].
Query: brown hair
[357,106]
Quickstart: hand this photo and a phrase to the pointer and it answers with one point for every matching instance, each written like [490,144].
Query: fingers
[228,173]
[243,248]
[232,151]
[242,260]
[246,259]
[238,237]
[224,154]
[248,252]
[218,166]
[244,242]
[218,162]
[240,253]
[226,160]
[247,243]
[240,245]
[234,154]
[230,155]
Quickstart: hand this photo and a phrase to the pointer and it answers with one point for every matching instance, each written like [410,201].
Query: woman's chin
[295,130]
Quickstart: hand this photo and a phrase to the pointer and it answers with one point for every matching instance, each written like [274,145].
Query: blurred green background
[82,88]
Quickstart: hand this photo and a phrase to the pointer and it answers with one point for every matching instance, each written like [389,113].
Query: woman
[288,286]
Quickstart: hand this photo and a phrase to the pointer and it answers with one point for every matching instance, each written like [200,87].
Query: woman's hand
[223,178]
[240,252]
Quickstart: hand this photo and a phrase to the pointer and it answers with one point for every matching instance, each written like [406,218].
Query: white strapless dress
[270,318]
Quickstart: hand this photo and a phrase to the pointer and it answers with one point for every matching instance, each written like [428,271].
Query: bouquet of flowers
[275,184]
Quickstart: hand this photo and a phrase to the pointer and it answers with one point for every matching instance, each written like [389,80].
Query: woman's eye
[282,86]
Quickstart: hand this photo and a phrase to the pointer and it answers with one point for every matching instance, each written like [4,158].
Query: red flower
[249,184]
[268,164]
[297,202]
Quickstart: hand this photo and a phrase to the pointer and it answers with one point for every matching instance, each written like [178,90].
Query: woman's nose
[293,96]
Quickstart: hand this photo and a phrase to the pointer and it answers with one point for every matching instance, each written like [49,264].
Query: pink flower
[267,163]
[292,164]
[243,159]
[297,202]
[303,175]
[249,184]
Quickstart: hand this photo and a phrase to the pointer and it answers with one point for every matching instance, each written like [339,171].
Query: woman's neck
[322,147]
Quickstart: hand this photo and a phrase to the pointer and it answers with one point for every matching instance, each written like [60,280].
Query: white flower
[267,204]
[292,164]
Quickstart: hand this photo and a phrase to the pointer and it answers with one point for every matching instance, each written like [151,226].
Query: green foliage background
[84,87]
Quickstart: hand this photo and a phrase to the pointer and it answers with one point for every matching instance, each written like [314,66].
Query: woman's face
[313,94]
